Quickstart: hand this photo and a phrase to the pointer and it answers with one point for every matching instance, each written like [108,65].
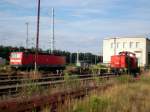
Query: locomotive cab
[16,59]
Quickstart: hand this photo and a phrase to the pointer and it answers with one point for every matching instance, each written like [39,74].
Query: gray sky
[80,24]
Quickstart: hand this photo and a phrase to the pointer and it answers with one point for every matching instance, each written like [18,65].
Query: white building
[140,45]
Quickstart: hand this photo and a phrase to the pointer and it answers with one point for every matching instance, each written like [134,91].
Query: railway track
[22,76]
[37,102]
[11,87]
[20,79]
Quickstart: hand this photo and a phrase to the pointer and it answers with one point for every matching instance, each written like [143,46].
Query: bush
[99,103]
[124,79]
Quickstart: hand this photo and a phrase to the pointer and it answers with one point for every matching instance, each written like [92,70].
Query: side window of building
[137,44]
[131,44]
[124,45]
[118,45]
[111,46]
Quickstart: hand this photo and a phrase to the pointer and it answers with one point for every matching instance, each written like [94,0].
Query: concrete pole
[37,36]
[27,39]
[115,46]
[53,32]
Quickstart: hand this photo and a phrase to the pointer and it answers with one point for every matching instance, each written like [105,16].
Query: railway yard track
[11,85]
[37,102]
[15,104]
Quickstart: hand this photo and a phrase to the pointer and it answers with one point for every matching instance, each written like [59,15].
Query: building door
[139,57]
[148,58]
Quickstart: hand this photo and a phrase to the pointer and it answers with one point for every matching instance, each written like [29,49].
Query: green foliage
[98,80]
[99,103]
[5,68]
[71,81]
[70,57]
[79,109]
[98,68]
[125,96]
[144,79]
[93,104]
[124,79]
[34,110]
[31,89]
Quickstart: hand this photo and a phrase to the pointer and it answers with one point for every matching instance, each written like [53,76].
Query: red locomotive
[27,60]
[124,61]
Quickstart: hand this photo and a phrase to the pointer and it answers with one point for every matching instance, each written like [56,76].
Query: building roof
[134,36]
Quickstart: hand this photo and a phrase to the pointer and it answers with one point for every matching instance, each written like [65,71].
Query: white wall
[133,44]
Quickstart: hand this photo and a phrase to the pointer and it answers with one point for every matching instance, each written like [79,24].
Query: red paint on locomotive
[124,60]
[28,59]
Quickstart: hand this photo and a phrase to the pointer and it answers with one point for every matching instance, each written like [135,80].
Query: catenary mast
[37,35]
[53,32]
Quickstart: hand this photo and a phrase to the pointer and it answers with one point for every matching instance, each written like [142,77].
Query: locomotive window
[15,55]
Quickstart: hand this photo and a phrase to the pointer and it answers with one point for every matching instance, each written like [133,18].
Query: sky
[80,25]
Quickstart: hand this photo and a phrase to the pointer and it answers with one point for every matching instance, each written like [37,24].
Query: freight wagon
[25,60]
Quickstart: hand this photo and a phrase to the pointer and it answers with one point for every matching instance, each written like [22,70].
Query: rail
[11,87]
[37,102]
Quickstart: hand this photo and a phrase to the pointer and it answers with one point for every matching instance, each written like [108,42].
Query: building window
[131,44]
[124,44]
[118,45]
[111,45]
[137,44]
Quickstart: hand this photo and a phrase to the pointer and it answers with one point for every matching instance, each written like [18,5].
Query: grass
[70,83]
[30,90]
[5,69]
[127,95]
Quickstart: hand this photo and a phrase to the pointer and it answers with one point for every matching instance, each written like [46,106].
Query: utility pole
[27,39]
[53,32]
[78,60]
[95,59]
[37,37]
[115,46]
[70,57]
